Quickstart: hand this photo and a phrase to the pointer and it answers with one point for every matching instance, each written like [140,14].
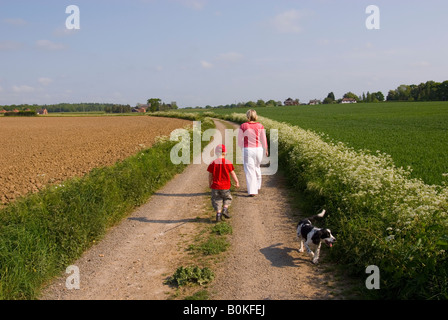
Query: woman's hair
[251,115]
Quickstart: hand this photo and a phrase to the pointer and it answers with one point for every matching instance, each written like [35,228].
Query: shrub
[222,228]
[26,113]
[190,276]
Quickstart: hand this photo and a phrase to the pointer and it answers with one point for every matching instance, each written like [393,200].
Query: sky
[216,52]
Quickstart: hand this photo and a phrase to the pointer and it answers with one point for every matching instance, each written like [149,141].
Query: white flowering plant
[380,214]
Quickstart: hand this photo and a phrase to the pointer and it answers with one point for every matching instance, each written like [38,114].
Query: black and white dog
[313,237]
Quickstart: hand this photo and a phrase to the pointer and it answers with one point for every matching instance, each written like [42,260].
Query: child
[220,171]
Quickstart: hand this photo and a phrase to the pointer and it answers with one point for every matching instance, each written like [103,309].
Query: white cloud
[222,59]
[288,21]
[44,81]
[50,45]
[23,89]
[206,65]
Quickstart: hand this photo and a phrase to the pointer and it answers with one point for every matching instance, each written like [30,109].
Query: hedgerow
[379,214]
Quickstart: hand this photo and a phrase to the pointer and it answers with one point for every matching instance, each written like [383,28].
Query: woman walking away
[252,139]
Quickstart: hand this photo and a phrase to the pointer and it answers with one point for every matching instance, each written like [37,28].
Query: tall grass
[380,215]
[43,233]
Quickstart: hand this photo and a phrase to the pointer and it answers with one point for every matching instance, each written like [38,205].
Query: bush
[28,113]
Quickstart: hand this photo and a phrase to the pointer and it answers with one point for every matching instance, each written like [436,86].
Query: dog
[312,237]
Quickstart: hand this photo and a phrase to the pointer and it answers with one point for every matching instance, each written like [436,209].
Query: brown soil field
[35,152]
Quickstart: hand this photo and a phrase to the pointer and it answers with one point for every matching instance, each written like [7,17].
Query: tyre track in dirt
[136,256]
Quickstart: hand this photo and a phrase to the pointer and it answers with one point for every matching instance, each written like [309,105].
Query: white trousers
[252,158]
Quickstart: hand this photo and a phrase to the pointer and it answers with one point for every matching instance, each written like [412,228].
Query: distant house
[139,109]
[314,102]
[348,100]
[142,108]
[42,111]
[3,111]
[291,102]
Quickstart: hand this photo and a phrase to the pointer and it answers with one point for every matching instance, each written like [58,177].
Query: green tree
[379,96]
[271,103]
[250,105]
[444,90]
[154,104]
[329,99]
[351,95]
[261,103]
[404,92]
[391,96]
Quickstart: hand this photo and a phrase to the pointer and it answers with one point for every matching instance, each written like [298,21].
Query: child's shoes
[225,213]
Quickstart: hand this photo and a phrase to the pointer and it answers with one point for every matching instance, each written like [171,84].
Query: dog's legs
[310,252]
[301,244]
[316,254]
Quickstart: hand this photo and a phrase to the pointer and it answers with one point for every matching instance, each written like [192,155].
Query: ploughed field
[35,152]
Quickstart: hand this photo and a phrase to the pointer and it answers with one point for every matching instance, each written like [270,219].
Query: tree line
[72,107]
[154,104]
[429,91]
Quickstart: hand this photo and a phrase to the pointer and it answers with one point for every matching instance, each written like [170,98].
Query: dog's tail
[311,219]
[318,216]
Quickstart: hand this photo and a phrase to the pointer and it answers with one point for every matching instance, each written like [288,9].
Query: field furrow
[35,152]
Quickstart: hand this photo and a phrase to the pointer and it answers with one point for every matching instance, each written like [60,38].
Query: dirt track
[35,152]
[263,262]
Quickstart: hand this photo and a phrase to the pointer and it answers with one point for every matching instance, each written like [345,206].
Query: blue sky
[212,52]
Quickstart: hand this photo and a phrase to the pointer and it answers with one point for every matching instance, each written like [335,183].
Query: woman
[252,138]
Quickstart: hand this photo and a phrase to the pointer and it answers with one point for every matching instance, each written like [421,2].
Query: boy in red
[220,171]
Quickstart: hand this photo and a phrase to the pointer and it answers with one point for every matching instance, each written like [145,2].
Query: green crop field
[414,134]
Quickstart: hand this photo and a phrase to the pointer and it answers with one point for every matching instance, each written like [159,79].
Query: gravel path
[135,257]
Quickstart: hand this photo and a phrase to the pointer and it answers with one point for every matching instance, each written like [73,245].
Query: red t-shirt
[221,168]
[252,135]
